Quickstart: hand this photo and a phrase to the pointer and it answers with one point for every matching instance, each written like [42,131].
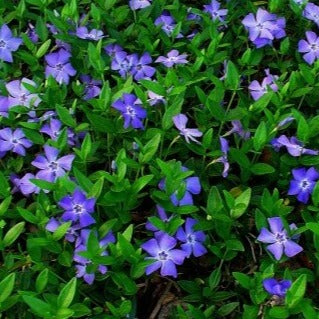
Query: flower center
[162,255]
[2,44]
[304,184]
[314,47]
[281,238]
[260,26]
[23,97]
[53,166]
[59,66]
[130,111]
[191,239]
[78,208]
[14,141]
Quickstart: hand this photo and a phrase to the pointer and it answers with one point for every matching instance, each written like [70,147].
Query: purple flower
[293,145]
[303,183]
[71,234]
[123,63]
[139,4]
[311,12]
[92,87]
[180,122]
[141,69]
[78,208]
[84,33]
[257,90]
[165,257]
[173,57]
[224,158]
[59,66]
[63,45]
[8,44]
[112,49]
[264,28]
[192,187]
[131,110]
[279,241]
[51,167]
[162,215]
[167,23]
[20,95]
[214,10]
[309,47]
[14,141]
[275,287]
[32,34]
[285,121]
[4,106]
[192,239]
[239,130]
[155,98]
[54,129]
[25,186]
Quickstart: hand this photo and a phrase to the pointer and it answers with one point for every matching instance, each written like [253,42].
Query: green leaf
[279,312]
[262,169]
[86,147]
[61,230]
[65,116]
[241,204]
[214,278]
[6,287]
[232,76]
[150,149]
[97,188]
[66,295]
[43,49]
[154,87]
[42,280]
[260,137]
[296,292]
[38,306]
[11,236]
[141,183]
[5,205]
[214,202]
[243,280]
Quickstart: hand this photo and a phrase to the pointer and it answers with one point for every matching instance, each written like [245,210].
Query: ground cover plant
[159,159]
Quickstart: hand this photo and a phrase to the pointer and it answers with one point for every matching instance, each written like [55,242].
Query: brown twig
[160,301]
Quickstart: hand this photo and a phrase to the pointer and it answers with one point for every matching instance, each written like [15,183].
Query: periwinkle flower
[78,208]
[278,239]
[8,44]
[275,287]
[238,129]
[141,69]
[167,23]
[257,90]
[54,129]
[123,63]
[25,186]
[131,110]
[293,145]
[20,95]
[4,106]
[215,11]
[309,47]
[173,57]
[155,98]
[32,34]
[112,49]
[192,240]
[303,183]
[139,4]
[84,33]
[14,141]
[51,167]
[264,28]
[180,122]
[59,66]
[162,215]
[92,87]
[71,234]
[224,158]
[311,12]
[161,249]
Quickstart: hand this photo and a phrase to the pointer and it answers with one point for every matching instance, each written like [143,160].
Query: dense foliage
[159,159]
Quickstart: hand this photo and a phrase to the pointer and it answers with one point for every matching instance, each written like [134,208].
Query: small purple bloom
[293,146]
[180,122]
[84,33]
[276,287]
[8,44]
[279,241]
[214,10]
[32,34]
[123,63]
[141,69]
[112,49]
[309,47]
[161,249]
[173,57]
[303,183]
[193,240]
[239,130]
[224,158]
[311,12]
[167,23]
[71,234]
[92,87]
[139,4]
[54,129]
[4,106]
[20,95]
[78,208]
[25,186]
[14,141]
[155,98]
[51,167]
[59,67]
[131,110]
[162,215]
[63,45]
[257,90]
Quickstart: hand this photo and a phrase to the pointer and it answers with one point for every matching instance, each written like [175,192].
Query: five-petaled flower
[173,57]
[161,249]
[180,122]
[309,47]
[278,239]
[276,287]
[84,33]
[215,11]
[139,4]
[14,141]
[8,44]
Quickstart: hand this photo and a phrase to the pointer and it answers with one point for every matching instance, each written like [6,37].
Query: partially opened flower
[215,11]
[78,208]
[25,186]
[311,12]
[161,249]
[162,215]
[257,90]
[224,158]
[84,33]
[155,98]
[92,87]
[139,4]
[303,183]
[173,57]
[51,167]
[278,240]
[276,287]
[59,66]
[14,141]
[238,129]
[180,122]
[167,23]
[309,47]
[192,240]
[8,44]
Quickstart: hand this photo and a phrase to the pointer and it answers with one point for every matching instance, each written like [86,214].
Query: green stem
[227,110]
